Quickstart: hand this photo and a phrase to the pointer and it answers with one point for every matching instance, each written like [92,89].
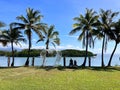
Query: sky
[59,13]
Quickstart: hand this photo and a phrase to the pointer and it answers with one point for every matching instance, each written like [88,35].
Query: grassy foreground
[34,78]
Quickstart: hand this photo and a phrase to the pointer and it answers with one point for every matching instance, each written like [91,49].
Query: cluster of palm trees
[92,26]
[29,24]
[101,26]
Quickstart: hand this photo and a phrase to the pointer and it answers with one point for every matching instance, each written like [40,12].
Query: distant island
[76,53]
[36,53]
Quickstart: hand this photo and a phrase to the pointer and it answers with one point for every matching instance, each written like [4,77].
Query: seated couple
[73,64]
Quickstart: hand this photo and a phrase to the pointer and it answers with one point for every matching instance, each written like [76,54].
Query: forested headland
[36,53]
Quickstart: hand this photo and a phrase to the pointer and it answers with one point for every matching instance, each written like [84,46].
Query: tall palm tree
[86,25]
[51,36]
[106,18]
[116,37]
[12,36]
[30,23]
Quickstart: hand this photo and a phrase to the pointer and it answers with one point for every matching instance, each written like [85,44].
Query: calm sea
[95,61]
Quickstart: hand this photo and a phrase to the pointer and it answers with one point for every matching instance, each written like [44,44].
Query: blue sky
[59,13]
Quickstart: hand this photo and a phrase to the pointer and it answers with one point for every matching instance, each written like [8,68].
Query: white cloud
[68,47]
[57,47]
[97,50]
[34,40]
[72,36]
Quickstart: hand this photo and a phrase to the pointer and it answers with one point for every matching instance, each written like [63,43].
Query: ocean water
[50,61]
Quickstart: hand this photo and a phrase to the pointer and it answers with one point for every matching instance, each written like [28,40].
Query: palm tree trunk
[86,54]
[102,56]
[27,61]
[89,61]
[47,47]
[12,64]
[33,61]
[109,63]
[29,38]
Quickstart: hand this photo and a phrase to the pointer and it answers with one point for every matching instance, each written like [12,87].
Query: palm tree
[86,25]
[106,18]
[12,36]
[30,23]
[51,36]
[116,37]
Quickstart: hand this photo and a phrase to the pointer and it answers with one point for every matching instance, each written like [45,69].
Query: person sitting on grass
[71,63]
[75,63]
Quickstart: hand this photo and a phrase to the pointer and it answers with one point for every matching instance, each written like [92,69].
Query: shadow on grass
[10,67]
[61,68]
[108,69]
[48,68]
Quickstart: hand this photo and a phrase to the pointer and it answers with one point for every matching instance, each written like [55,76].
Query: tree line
[102,26]
[92,25]
[36,53]
[29,23]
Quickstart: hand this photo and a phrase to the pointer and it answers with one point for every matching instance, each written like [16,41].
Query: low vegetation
[36,53]
[75,53]
[36,78]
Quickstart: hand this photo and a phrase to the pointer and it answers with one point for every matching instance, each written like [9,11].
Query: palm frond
[53,44]
[18,26]
[84,41]
[22,18]
[75,30]
[4,42]
[57,41]
[40,40]
[50,31]
[81,36]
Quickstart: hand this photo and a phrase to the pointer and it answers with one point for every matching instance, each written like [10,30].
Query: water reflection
[50,61]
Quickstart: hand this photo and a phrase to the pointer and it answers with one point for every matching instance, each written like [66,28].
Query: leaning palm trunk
[109,63]
[45,55]
[102,56]
[12,64]
[86,53]
[47,50]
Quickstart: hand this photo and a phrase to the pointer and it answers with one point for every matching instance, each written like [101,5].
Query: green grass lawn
[35,78]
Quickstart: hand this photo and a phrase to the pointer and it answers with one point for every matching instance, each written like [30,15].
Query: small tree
[12,36]
[51,36]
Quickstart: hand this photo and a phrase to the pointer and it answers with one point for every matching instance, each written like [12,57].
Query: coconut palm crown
[51,36]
